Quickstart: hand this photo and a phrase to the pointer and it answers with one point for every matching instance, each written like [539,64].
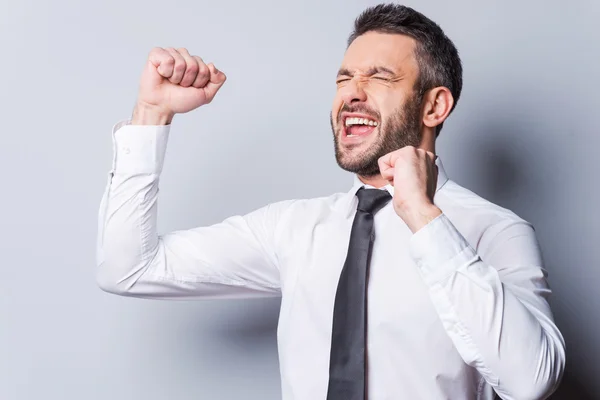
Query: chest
[311,263]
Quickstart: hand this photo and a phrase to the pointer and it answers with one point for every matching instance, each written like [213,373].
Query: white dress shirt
[456,311]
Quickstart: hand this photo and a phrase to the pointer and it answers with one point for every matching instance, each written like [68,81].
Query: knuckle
[202,69]
[192,68]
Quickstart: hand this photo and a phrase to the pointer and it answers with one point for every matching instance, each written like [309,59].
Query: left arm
[494,306]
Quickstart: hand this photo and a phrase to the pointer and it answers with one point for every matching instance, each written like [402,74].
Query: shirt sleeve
[231,259]
[493,305]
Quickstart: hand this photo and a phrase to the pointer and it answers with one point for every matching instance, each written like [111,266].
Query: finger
[203,74]
[386,168]
[422,154]
[178,68]
[217,79]
[191,68]
[163,61]
[388,175]
[386,171]
[432,157]
[389,159]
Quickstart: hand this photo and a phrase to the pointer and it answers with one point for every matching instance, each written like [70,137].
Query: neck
[376,181]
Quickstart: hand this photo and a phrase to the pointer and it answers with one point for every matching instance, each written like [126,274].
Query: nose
[354,93]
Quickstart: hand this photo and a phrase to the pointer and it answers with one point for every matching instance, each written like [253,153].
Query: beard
[401,129]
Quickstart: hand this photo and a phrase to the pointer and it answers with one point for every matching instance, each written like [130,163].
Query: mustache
[357,108]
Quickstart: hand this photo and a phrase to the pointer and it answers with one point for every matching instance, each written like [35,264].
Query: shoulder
[458,199]
[477,218]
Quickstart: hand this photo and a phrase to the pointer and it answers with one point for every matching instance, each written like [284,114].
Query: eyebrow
[370,72]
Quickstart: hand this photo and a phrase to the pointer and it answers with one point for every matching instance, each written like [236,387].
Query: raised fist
[175,82]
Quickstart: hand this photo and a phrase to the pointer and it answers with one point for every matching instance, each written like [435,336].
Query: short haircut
[437,57]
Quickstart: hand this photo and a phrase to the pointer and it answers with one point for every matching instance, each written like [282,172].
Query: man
[408,286]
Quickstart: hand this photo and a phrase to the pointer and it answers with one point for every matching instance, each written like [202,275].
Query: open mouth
[356,127]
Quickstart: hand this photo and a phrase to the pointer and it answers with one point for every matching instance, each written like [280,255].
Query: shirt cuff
[139,148]
[439,250]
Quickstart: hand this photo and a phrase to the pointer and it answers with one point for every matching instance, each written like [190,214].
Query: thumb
[217,79]
[386,170]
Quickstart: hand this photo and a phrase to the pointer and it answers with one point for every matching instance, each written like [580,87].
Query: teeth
[360,121]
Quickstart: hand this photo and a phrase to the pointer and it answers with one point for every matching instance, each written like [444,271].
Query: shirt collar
[349,202]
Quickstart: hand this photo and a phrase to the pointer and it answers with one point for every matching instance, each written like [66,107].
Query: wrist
[147,114]
[416,216]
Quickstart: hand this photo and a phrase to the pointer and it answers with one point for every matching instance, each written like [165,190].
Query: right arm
[234,258]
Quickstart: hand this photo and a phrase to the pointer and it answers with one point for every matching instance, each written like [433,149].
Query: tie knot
[372,200]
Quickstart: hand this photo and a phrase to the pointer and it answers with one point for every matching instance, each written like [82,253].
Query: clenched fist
[174,82]
[413,174]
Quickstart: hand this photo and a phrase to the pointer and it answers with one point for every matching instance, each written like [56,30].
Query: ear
[437,104]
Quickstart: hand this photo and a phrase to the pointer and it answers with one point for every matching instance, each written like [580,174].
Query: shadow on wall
[515,162]
[242,328]
[247,322]
[572,389]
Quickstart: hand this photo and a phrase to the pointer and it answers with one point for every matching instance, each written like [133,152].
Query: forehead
[393,51]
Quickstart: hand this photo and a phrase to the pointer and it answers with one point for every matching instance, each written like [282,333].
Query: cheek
[379,94]
[388,104]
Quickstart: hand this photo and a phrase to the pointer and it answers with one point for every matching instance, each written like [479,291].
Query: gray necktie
[347,359]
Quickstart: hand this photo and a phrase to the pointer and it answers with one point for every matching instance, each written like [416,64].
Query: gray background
[524,135]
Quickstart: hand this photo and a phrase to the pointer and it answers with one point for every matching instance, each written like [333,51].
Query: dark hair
[436,55]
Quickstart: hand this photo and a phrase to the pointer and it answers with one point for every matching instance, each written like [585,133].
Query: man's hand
[413,174]
[174,82]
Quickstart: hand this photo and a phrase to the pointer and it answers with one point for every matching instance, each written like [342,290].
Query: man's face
[375,110]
